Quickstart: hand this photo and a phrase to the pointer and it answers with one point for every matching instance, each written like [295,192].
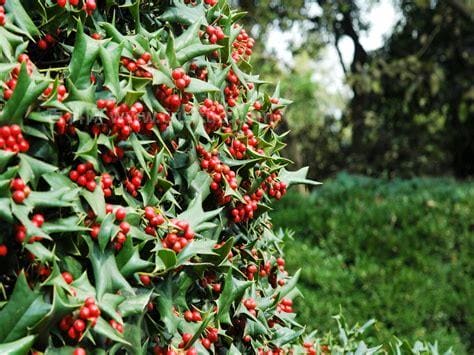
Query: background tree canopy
[411,106]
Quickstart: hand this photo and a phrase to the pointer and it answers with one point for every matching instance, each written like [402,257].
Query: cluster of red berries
[243,211]
[121,237]
[285,305]
[218,170]
[84,175]
[212,336]
[12,140]
[107,182]
[198,72]
[112,156]
[123,119]
[274,117]
[19,189]
[209,279]
[237,148]
[64,125]
[251,305]
[214,113]
[232,90]
[20,231]
[179,237]
[11,84]
[180,78]
[136,67]
[171,101]
[242,47]
[154,220]
[162,120]
[276,189]
[273,351]
[61,92]
[214,34]
[89,5]
[251,271]
[2,13]
[192,316]
[265,269]
[310,349]
[75,326]
[211,2]
[46,42]
[133,183]
[185,339]
[158,350]
[116,325]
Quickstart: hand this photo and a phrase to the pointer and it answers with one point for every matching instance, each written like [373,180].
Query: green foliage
[400,252]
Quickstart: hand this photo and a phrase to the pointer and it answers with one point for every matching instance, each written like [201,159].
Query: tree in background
[411,108]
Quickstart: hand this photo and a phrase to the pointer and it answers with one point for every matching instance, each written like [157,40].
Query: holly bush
[138,160]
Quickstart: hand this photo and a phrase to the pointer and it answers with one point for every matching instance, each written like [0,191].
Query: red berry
[206,343]
[18,196]
[84,313]
[186,337]
[125,227]
[79,325]
[42,44]
[67,277]
[145,279]
[188,316]
[79,351]
[3,250]
[120,214]
[17,184]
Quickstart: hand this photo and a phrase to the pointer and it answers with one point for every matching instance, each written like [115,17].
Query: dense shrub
[400,252]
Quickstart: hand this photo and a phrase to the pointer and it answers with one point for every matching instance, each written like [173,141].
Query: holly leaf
[83,58]
[87,148]
[24,309]
[96,200]
[21,18]
[106,273]
[296,177]
[26,92]
[172,292]
[181,13]
[195,50]
[197,86]
[107,231]
[134,305]
[110,59]
[195,215]
[233,290]
[105,329]
[32,169]
[196,247]
[129,261]
[19,347]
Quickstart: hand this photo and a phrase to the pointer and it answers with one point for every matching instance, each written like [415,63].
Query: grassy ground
[401,252]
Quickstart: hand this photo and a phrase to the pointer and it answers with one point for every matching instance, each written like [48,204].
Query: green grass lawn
[398,251]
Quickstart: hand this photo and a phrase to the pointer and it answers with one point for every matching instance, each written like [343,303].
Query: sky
[381,18]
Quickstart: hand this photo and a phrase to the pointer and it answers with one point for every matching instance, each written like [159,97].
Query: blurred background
[383,115]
